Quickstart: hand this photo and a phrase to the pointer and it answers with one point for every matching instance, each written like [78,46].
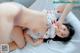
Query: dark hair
[66,39]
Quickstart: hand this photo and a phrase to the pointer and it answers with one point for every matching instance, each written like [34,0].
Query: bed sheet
[55,46]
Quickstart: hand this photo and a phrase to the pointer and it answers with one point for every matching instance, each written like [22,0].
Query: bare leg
[17,37]
[12,46]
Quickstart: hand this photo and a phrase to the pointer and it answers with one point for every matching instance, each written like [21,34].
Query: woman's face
[62,31]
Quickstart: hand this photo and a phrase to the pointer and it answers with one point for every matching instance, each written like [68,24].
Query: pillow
[72,19]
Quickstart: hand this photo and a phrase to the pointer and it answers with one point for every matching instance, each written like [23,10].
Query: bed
[55,46]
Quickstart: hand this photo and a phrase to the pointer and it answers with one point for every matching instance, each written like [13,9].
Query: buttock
[5,30]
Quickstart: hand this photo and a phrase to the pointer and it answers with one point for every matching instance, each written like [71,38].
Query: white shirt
[51,30]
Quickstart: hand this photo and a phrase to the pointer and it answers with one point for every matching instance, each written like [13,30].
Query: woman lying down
[19,25]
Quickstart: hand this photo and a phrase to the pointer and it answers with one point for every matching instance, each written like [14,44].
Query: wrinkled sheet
[54,46]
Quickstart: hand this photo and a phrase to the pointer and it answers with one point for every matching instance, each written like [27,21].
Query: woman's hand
[60,9]
[57,24]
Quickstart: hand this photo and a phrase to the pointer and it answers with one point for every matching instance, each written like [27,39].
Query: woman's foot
[12,46]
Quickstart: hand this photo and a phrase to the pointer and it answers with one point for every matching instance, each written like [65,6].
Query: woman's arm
[67,9]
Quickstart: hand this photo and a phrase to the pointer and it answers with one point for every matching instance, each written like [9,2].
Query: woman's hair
[66,39]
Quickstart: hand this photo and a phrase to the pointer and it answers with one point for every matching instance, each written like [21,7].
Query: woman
[63,31]
[15,15]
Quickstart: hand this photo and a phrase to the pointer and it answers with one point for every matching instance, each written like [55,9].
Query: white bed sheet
[55,46]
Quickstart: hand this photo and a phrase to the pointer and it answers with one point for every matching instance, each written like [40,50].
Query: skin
[61,30]
[23,20]
[17,32]
[18,15]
